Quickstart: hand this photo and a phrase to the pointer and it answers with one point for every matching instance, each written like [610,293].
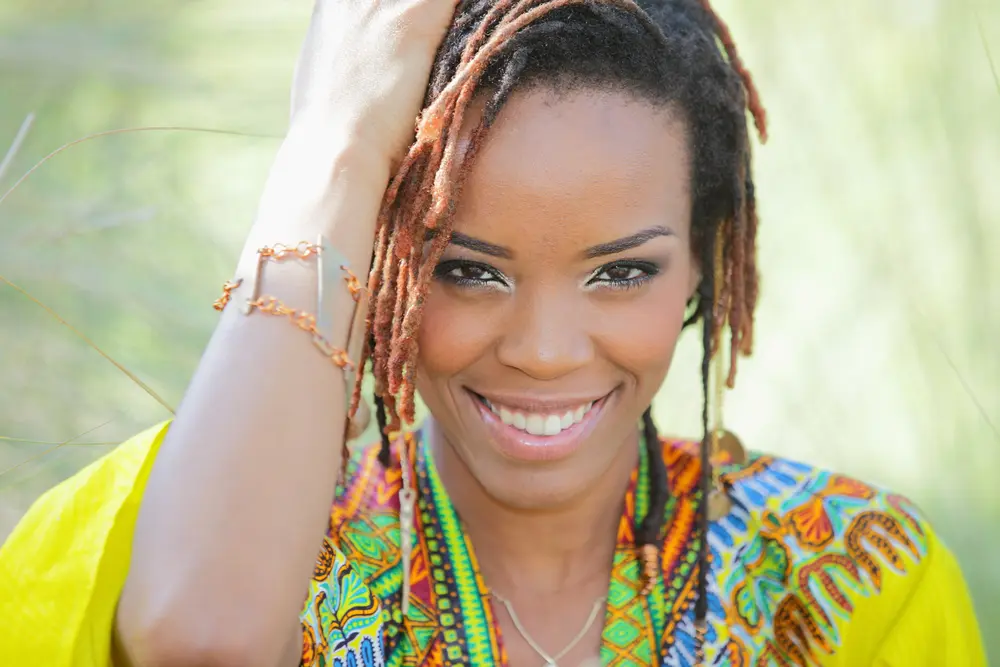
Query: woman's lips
[520,445]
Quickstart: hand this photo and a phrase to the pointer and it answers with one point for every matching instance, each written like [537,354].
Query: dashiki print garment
[801,562]
[809,568]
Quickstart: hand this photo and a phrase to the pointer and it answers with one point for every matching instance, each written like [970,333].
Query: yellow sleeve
[937,626]
[63,568]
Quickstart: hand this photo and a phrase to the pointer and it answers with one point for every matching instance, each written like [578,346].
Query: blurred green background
[877,345]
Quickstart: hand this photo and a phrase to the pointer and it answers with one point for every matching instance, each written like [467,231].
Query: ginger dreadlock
[675,53]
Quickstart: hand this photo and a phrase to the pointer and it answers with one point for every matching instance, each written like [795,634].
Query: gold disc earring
[725,445]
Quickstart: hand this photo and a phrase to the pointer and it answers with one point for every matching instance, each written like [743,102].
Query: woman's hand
[364,67]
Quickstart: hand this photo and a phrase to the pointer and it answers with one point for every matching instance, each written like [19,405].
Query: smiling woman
[578,191]
[560,297]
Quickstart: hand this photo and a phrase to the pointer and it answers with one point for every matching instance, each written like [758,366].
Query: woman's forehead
[583,164]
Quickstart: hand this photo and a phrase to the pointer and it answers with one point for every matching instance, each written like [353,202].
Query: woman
[579,189]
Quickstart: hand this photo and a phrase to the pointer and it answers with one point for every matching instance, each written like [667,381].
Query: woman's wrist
[322,182]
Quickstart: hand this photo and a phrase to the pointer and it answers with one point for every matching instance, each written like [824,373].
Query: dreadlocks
[675,53]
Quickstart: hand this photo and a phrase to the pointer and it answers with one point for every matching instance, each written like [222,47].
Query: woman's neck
[546,551]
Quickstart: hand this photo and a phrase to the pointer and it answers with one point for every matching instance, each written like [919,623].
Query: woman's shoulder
[849,563]
[814,506]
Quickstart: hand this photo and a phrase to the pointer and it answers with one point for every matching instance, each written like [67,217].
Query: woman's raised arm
[239,497]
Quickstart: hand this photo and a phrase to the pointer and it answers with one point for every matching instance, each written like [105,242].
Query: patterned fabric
[810,568]
[791,564]
[342,620]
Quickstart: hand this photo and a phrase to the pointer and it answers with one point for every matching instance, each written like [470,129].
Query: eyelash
[647,270]
[445,269]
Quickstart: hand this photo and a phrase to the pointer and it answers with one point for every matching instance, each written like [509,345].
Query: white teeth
[552,425]
[537,423]
[506,417]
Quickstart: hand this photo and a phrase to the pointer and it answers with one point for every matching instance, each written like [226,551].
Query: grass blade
[51,449]
[126,130]
[26,441]
[10,153]
[79,334]
[986,49]
[15,145]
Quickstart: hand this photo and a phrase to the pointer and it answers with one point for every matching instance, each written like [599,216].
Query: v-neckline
[634,624]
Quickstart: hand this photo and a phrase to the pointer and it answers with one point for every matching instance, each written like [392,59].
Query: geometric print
[796,557]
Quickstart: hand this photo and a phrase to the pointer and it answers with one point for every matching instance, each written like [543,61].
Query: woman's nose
[547,337]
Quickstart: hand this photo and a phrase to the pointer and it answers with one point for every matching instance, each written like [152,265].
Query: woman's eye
[624,275]
[468,273]
[620,273]
[471,274]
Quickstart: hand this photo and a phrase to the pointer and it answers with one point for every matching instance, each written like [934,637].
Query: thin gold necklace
[550,660]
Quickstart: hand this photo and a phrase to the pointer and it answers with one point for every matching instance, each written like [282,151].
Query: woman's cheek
[454,333]
[641,336]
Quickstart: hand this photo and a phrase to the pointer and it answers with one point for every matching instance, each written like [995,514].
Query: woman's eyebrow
[600,250]
[627,242]
[478,245]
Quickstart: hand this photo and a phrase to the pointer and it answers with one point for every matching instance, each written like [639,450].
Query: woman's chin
[533,489]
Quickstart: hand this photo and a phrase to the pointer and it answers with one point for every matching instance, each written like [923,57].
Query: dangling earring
[719,502]
[407,500]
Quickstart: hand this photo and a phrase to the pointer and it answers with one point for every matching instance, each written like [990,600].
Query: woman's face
[555,310]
